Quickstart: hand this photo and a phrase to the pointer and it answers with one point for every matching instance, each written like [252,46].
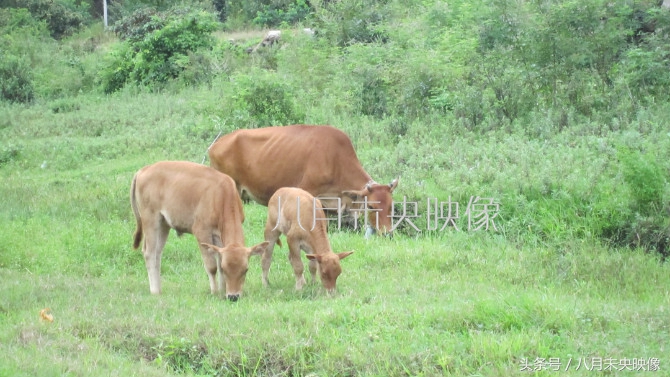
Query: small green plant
[180,355]
[267,101]
[273,15]
[8,154]
[16,79]
[645,178]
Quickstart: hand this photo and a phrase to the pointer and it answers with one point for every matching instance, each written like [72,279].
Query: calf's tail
[133,203]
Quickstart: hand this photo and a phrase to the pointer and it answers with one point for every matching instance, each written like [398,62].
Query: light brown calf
[195,199]
[295,213]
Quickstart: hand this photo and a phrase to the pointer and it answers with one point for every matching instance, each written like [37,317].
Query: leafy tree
[63,17]
[156,46]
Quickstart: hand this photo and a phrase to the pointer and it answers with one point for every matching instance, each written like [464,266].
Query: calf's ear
[211,247]
[316,257]
[344,254]
[259,249]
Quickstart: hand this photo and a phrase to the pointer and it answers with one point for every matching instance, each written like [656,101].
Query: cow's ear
[394,184]
[211,247]
[344,254]
[316,257]
[259,249]
[353,195]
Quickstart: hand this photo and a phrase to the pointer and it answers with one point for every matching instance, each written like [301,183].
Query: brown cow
[195,199]
[318,159]
[298,215]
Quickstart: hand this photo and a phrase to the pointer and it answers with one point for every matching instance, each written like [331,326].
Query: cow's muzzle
[233,297]
[370,231]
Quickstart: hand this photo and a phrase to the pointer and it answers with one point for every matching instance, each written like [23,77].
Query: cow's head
[329,267]
[379,202]
[234,264]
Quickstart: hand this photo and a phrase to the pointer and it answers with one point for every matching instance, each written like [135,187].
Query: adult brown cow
[195,199]
[318,159]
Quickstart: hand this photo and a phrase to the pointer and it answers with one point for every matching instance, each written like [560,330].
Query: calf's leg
[296,262]
[154,240]
[211,260]
[266,259]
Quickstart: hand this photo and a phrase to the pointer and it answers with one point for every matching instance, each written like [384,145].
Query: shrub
[638,219]
[19,20]
[16,83]
[157,45]
[373,93]
[645,178]
[267,101]
[239,14]
[62,17]
[348,22]
[275,14]
[117,71]
[8,154]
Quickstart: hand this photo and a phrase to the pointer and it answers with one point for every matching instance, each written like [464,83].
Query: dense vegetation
[556,110]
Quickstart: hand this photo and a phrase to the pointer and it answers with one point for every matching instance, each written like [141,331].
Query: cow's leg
[266,259]
[313,268]
[211,260]
[154,240]
[296,262]
[313,264]
[221,282]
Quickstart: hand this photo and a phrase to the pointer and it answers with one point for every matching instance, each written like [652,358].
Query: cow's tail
[133,203]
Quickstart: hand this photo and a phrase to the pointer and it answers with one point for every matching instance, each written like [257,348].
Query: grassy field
[556,111]
[436,303]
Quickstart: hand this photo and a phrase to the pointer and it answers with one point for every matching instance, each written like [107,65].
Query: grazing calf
[294,212]
[196,199]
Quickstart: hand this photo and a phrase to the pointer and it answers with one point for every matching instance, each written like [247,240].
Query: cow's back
[296,210]
[185,192]
[319,159]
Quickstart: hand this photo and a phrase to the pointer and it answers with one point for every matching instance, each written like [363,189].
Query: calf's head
[328,265]
[378,200]
[234,264]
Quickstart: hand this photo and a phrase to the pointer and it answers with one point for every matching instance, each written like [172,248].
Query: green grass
[457,304]
[450,303]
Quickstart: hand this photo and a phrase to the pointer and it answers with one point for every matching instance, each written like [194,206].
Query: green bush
[372,93]
[240,14]
[266,101]
[62,17]
[8,153]
[157,45]
[645,178]
[273,15]
[19,20]
[348,22]
[16,79]
[118,68]
[636,215]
